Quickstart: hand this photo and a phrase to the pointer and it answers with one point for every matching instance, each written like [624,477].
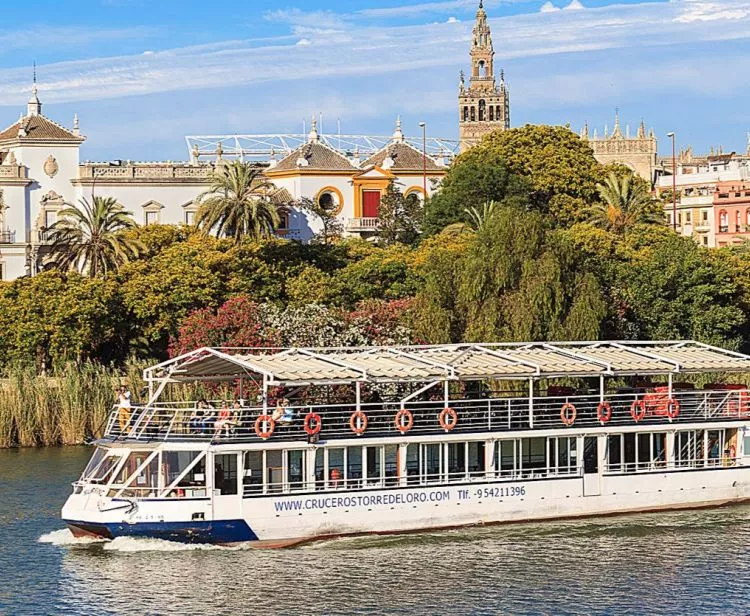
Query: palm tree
[92,237]
[477,219]
[237,203]
[624,204]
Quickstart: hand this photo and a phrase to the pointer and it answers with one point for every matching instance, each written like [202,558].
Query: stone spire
[76,126]
[398,134]
[642,130]
[616,132]
[313,136]
[585,131]
[34,107]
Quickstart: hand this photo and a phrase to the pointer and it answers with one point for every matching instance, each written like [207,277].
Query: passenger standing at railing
[224,420]
[124,406]
[208,416]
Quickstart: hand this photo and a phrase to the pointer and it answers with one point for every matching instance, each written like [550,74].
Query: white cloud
[452,20]
[365,49]
[575,5]
[548,7]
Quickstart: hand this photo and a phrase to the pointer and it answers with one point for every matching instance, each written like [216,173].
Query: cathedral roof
[38,128]
[404,157]
[316,157]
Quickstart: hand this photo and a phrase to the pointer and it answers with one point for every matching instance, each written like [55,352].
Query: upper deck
[414,385]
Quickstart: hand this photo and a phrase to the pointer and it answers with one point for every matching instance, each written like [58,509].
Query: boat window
[476,459]
[532,454]
[456,461]
[101,466]
[391,465]
[715,447]
[687,447]
[225,474]
[562,454]
[145,482]
[274,471]
[746,442]
[374,463]
[412,463]
[252,476]
[320,469]
[354,466]
[505,454]
[336,467]
[590,454]
[614,452]
[431,462]
[188,469]
[295,469]
[132,463]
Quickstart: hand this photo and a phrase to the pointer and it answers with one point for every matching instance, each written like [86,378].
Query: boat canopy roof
[464,362]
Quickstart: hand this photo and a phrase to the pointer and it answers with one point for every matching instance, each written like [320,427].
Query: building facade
[41,173]
[483,105]
[639,153]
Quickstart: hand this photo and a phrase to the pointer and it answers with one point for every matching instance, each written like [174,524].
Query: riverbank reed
[60,409]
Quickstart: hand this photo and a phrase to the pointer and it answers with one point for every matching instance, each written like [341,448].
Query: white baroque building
[41,172]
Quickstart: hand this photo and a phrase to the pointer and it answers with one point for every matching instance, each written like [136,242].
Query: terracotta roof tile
[405,158]
[38,127]
[319,157]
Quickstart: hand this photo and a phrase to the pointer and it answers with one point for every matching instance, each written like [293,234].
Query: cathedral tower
[483,106]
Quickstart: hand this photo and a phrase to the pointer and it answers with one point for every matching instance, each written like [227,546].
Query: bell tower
[483,105]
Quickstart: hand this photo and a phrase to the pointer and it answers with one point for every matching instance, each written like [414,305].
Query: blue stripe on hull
[220,531]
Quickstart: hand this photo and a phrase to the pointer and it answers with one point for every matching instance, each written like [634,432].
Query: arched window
[492,113]
[737,220]
[482,111]
[473,113]
[466,113]
[747,219]
[498,115]
[723,221]
[326,201]
[482,69]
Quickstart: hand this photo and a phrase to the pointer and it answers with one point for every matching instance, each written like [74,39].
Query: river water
[676,563]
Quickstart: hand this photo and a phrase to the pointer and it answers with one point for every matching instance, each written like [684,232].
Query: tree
[470,183]
[326,211]
[559,166]
[624,204]
[514,281]
[238,203]
[399,217]
[92,238]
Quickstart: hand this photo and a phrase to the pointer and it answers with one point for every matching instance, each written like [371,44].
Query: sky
[143,74]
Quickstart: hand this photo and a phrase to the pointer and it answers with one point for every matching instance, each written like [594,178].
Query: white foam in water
[143,544]
[65,537]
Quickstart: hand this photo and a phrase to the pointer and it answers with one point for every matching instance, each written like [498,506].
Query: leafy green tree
[238,203]
[55,317]
[515,281]
[470,183]
[677,290]
[91,238]
[326,212]
[560,167]
[623,205]
[399,217]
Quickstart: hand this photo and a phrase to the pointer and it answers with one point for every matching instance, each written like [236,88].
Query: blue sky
[142,74]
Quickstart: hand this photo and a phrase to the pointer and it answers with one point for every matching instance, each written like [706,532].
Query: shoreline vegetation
[528,239]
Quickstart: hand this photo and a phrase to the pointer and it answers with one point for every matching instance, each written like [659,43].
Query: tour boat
[330,442]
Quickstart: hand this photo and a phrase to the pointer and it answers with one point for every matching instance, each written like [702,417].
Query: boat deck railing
[186,422]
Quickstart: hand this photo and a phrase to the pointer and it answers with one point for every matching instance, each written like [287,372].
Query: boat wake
[64,537]
[143,544]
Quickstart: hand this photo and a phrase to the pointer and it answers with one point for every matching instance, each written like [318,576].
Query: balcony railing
[362,224]
[7,237]
[39,236]
[185,422]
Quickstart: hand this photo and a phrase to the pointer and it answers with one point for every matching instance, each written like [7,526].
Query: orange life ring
[264,426]
[399,421]
[445,424]
[638,410]
[358,423]
[568,414]
[673,408]
[313,423]
[604,411]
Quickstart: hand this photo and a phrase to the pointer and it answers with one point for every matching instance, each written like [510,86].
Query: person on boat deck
[196,418]
[223,420]
[209,417]
[283,414]
[124,406]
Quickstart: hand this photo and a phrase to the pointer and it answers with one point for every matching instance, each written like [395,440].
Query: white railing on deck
[183,421]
